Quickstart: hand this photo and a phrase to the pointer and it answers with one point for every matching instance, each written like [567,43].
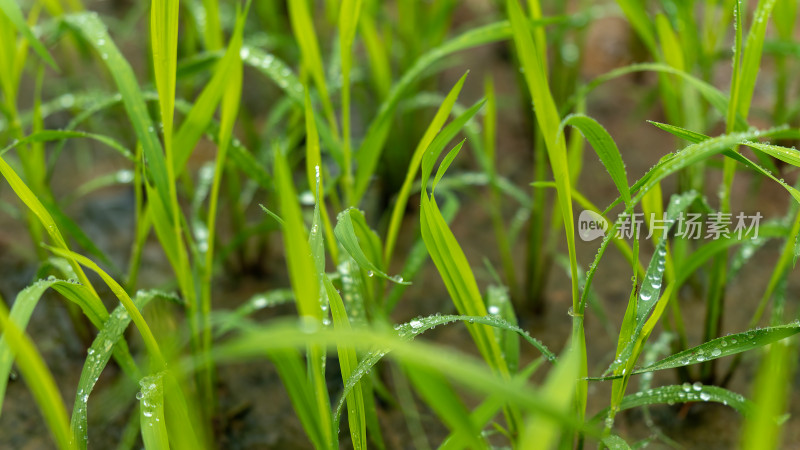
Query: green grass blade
[98,356]
[349,12]
[202,112]
[302,271]
[348,362]
[147,335]
[39,379]
[445,164]
[306,37]
[152,422]
[772,391]
[416,158]
[306,286]
[436,146]
[94,32]
[605,147]
[293,374]
[345,232]
[418,255]
[415,327]
[682,394]
[457,275]
[372,146]
[32,202]
[441,397]
[23,307]
[543,432]
[59,135]
[314,169]
[725,346]
[212,29]
[751,60]
[14,14]
[164,42]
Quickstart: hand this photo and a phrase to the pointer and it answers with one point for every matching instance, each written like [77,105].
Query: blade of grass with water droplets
[152,422]
[306,285]
[98,356]
[346,233]
[725,346]
[751,60]
[683,394]
[356,414]
[147,335]
[790,156]
[606,149]
[415,327]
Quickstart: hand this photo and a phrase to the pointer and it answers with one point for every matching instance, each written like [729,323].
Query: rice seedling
[341,156]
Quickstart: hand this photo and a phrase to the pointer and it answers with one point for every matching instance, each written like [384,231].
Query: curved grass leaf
[147,335]
[685,393]
[725,346]
[345,232]
[790,156]
[464,369]
[401,201]
[415,327]
[606,149]
[372,146]
[152,423]
[98,357]
[715,98]
[13,12]
[58,135]
[23,307]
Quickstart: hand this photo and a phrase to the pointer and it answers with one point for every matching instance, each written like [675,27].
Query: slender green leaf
[605,147]
[346,234]
[14,14]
